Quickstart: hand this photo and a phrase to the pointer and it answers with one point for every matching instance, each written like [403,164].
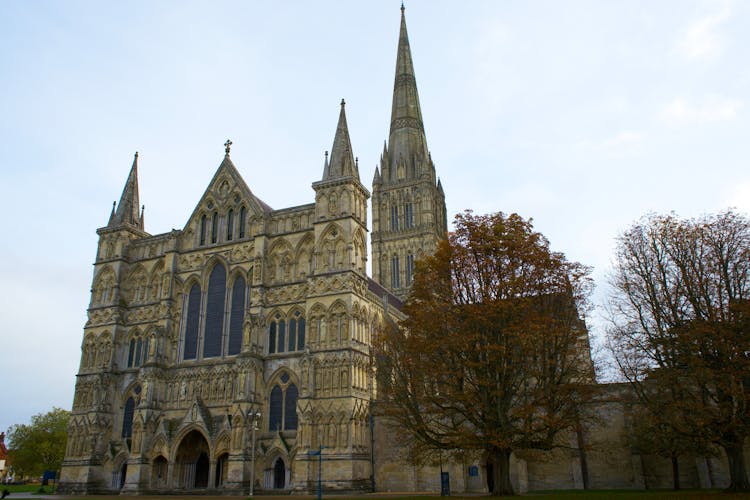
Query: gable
[227,191]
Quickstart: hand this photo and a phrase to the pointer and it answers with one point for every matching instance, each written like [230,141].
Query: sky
[582,115]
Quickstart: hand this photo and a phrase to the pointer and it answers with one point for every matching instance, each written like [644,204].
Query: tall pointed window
[409,269]
[214,227]
[286,336]
[190,349]
[408,215]
[243,220]
[395,272]
[236,316]
[394,218]
[212,340]
[127,418]
[203,230]
[283,405]
[230,225]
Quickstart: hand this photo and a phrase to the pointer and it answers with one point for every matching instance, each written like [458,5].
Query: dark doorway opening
[201,471]
[123,473]
[490,477]
[279,473]
[221,470]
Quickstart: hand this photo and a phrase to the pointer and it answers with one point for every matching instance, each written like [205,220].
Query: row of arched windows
[396,271]
[205,317]
[406,221]
[286,336]
[210,227]
[137,352]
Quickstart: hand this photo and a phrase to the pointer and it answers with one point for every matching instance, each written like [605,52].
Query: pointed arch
[304,256]
[215,300]
[236,314]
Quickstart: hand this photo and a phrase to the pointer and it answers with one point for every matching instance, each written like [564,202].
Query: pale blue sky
[584,115]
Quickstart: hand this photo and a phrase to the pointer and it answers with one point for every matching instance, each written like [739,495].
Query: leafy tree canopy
[39,446]
[493,355]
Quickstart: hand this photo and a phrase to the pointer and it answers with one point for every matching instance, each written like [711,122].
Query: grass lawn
[26,488]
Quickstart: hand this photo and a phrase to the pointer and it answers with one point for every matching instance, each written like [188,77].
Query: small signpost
[319,453]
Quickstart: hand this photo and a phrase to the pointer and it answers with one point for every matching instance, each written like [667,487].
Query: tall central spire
[407,135]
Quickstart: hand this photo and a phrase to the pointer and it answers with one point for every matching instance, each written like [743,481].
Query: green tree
[680,333]
[39,446]
[493,355]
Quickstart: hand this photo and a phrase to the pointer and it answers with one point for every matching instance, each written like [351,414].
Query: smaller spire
[342,162]
[127,209]
[376,179]
[227,146]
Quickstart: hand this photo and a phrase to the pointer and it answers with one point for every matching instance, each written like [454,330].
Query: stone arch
[104,283]
[277,473]
[279,262]
[304,256]
[331,248]
[360,251]
[136,291]
[119,470]
[191,458]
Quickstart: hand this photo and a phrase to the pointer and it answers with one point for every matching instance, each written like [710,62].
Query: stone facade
[224,356]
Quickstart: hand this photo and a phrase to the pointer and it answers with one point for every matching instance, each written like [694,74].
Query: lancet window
[286,336]
[283,405]
[204,319]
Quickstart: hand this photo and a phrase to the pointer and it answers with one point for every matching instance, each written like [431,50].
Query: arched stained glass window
[243,220]
[395,273]
[276,410]
[292,335]
[212,339]
[290,408]
[138,348]
[272,338]
[282,332]
[127,418]
[190,350]
[301,333]
[131,353]
[237,316]
[214,227]
[230,225]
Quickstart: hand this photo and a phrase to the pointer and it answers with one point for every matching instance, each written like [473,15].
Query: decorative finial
[342,103]
[136,154]
[356,161]
[402,6]
[326,155]
[227,146]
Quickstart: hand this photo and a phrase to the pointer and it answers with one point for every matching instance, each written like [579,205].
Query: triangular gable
[225,186]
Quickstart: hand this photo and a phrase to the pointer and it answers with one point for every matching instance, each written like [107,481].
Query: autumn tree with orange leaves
[493,355]
[680,310]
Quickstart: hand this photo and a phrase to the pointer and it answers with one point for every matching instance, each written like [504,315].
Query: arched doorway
[192,462]
[221,470]
[279,474]
[159,469]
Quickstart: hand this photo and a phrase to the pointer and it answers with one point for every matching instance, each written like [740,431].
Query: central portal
[192,462]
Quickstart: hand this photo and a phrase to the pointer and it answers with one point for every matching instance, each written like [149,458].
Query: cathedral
[229,354]
[234,355]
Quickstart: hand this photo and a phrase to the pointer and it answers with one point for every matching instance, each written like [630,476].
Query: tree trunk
[737,471]
[501,473]
[675,473]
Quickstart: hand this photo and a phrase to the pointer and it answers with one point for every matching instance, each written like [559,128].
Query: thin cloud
[714,109]
[703,38]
